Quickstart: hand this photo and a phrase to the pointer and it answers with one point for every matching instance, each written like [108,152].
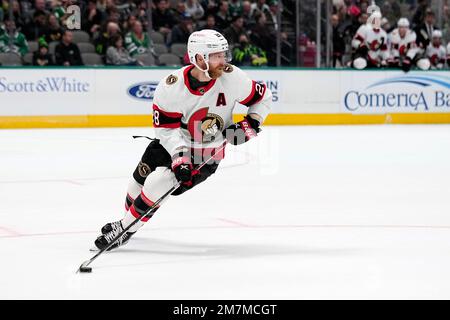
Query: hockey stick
[85,265]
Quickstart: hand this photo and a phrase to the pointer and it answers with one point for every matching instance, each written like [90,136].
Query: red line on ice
[236,223]
[233,224]
[10,232]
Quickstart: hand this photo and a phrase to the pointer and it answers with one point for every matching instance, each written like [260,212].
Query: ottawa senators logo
[376,45]
[144,169]
[228,68]
[211,126]
[171,79]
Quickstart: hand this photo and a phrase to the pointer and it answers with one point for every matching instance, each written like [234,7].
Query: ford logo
[144,90]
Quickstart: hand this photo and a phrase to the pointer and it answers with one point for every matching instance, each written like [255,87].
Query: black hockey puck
[86,269]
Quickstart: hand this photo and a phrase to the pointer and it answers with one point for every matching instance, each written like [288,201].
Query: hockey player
[403,48]
[370,44]
[192,113]
[436,52]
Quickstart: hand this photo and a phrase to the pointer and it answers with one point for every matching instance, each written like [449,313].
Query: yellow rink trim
[76,121]
[343,118]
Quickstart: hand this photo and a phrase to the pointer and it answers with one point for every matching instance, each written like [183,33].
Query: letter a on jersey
[221,100]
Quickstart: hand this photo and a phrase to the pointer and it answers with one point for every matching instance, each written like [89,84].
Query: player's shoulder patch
[228,68]
[171,79]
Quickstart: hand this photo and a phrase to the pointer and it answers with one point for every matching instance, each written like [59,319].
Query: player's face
[436,42]
[402,31]
[216,64]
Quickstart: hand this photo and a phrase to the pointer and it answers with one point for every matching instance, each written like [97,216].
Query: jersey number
[259,88]
[156,117]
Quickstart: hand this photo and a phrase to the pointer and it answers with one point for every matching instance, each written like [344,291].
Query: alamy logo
[418,92]
[143,91]
[73,22]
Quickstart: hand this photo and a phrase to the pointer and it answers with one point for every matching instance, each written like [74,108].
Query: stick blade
[84,268]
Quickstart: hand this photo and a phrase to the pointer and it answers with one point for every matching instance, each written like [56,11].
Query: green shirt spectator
[118,55]
[235,7]
[19,44]
[136,41]
[59,12]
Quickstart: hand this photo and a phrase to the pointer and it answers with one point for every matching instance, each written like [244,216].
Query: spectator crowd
[397,34]
[115,32]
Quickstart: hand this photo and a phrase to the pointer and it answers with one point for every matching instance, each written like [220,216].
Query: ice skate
[109,232]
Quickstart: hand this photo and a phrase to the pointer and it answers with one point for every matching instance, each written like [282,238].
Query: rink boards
[120,97]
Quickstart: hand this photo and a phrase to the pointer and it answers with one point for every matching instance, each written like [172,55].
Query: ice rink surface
[327,212]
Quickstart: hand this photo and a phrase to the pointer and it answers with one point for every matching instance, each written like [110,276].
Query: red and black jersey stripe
[359,37]
[257,93]
[164,119]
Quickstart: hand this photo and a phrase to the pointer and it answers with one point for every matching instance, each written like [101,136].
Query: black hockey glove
[241,132]
[393,62]
[362,51]
[183,169]
[406,64]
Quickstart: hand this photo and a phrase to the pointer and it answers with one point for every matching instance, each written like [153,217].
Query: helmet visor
[223,56]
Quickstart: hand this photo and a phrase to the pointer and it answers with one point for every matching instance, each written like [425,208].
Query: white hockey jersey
[184,117]
[375,40]
[403,47]
[436,55]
